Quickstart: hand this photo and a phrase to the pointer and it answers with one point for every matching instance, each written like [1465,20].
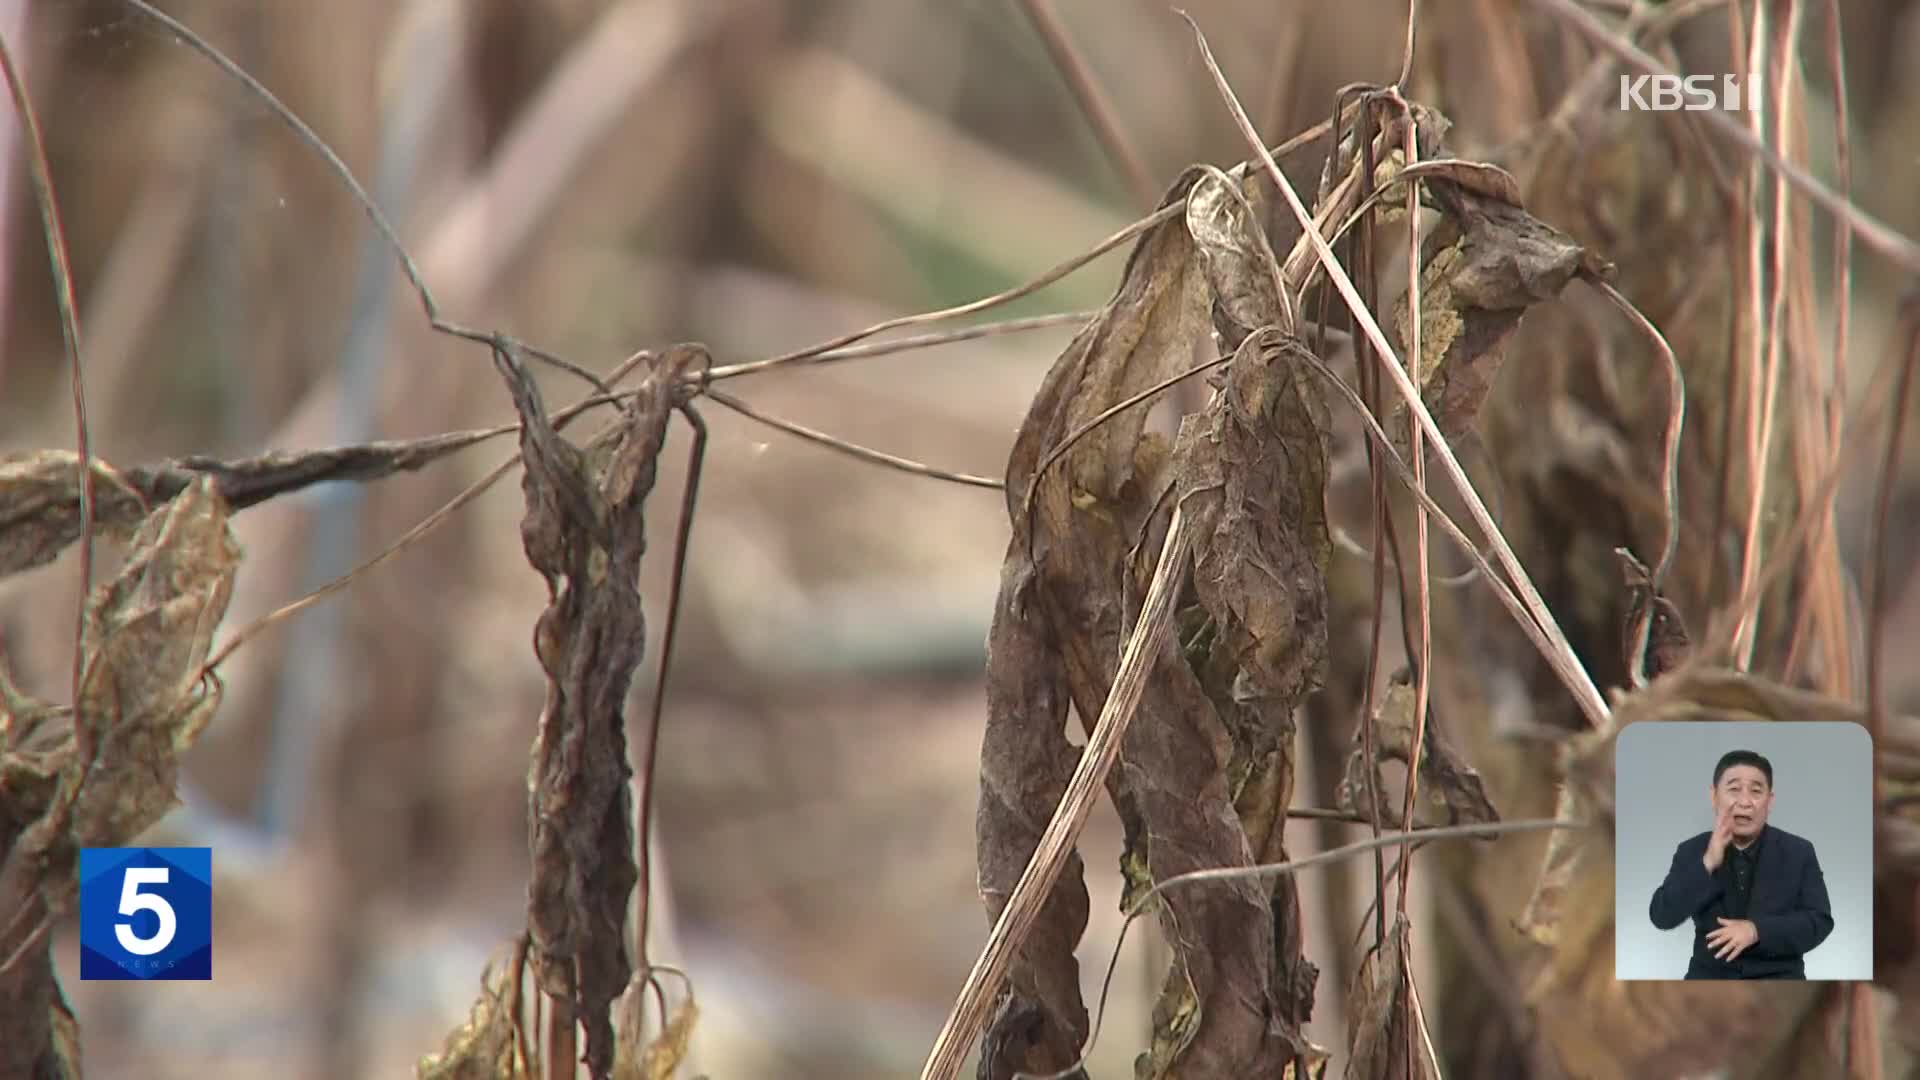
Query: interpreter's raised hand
[1717,843]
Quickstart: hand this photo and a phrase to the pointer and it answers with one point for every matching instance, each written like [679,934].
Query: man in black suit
[1754,891]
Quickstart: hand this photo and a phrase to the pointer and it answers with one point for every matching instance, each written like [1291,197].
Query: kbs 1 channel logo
[146,913]
[1691,93]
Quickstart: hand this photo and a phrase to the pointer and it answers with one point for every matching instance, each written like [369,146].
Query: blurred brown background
[597,177]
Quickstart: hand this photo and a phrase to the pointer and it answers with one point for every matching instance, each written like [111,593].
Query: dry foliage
[101,772]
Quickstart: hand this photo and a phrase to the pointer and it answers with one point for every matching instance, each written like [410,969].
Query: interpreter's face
[1743,791]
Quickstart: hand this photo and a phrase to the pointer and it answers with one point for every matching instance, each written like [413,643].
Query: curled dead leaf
[148,633]
[1488,262]
[1058,621]
[585,532]
[1451,792]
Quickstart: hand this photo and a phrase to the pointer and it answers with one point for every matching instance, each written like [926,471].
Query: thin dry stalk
[1776,55]
[1877,560]
[877,457]
[1419,1013]
[1561,656]
[972,307]
[1422,574]
[969,1016]
[917,341]
[1753,357]
[1843,228]
[1824,622]
[1816,502]
[1406,49]
[1380,522]
[1669,478]
[1741,224]
[1093,101]
[41,178]
[561,1041]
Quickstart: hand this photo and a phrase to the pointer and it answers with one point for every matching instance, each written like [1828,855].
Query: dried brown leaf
[40,491]
[99,774]
[1252,474]
[40,506]
[1472,177]
[148,632]
[1451,791]
[1040,1021]
[1058,622]
[1490,260]
[1205,774]
[585,532]
[1380,1021]
[1211,777]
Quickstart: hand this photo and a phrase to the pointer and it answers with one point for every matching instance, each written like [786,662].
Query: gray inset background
[1822,780]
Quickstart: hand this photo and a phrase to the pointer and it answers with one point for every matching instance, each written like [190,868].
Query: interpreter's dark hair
[1743,757]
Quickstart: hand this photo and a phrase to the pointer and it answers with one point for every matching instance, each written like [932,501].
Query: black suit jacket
[1788,907]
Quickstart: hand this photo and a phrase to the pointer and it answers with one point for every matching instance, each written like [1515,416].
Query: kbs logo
[1693,93]
[146,913]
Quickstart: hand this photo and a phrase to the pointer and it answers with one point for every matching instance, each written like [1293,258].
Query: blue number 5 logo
[146,913]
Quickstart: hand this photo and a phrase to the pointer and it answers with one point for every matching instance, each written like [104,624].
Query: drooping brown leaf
[1213,776]
[1217,1015]
[1040,1021]
[1058,622]
[40,491]
[1488,262]
[585,532]
[1380,1018]
[1253,473]
[99,774]
[1451,791]
[1252,476]
[148,633]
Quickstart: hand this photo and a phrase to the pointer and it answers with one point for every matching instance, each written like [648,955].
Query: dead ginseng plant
[1204,776]
[1196,667]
